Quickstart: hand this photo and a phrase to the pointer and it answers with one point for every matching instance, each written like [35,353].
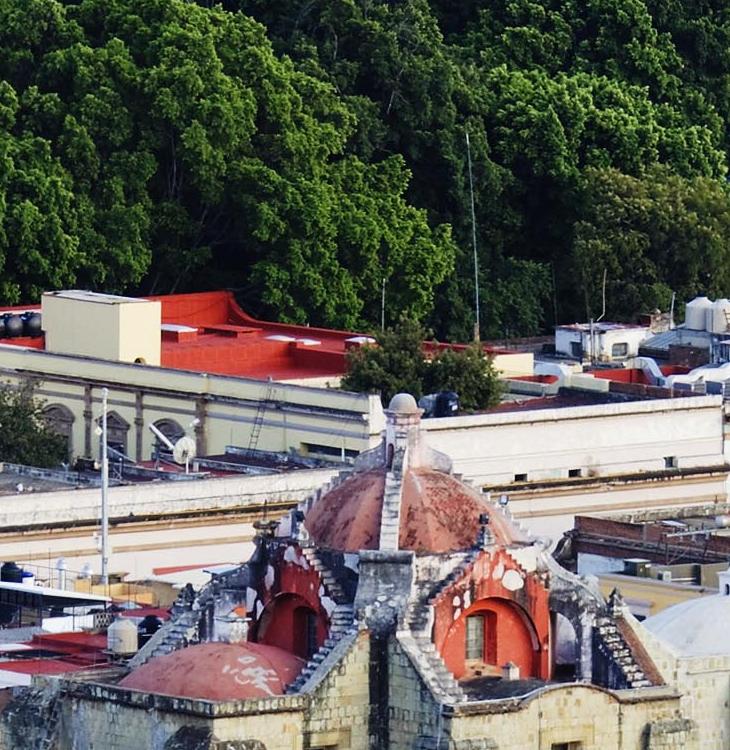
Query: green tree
[467,372]
[652,235]
[397,363]
[25,438]
[394,364]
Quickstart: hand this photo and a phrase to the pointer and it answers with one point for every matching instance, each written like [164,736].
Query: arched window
[117,429]
[60,419]
[170,429]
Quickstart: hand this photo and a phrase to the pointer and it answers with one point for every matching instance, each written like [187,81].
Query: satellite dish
[184,450]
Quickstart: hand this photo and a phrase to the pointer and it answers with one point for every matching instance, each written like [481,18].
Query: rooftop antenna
[474,242]
[183,450]
[104,491]
[603,311]
[598,320]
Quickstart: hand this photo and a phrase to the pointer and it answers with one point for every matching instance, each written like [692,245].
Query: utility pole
[104,491]
[474,243]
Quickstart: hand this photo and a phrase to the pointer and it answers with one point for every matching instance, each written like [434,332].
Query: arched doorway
[60,419]
[488,635]
[289,622]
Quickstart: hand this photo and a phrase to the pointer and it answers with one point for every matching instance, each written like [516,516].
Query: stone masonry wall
[413,712]
[339,707]
[583,714]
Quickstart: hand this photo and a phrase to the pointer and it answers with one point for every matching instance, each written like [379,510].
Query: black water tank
[13,325]
[11,573]
[2,328]
[31,324]
[147,628]
[447,404]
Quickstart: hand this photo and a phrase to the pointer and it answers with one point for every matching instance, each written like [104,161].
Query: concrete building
[396,608]
[228,379]
[602,342]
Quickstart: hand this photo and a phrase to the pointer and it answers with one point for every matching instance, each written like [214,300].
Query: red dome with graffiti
[218,672]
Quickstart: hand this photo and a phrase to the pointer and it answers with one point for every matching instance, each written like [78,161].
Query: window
[620,350]
[575,472]
[520,477]
[475,637]
[670,462]
[566,746]
[576,349]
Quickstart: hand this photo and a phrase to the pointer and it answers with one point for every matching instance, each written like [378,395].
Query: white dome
[403,403]
[697,627]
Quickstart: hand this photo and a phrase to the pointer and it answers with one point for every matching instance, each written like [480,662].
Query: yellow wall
[120,329]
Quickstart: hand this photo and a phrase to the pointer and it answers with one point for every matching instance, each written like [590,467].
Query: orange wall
[522,615]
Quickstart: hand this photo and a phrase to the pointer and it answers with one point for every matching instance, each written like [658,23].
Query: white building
[605,342]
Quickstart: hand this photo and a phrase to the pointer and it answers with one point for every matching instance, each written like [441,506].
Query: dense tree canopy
[312,154]
[25,438]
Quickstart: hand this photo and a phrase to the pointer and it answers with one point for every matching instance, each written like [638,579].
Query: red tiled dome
[218,672]
[438,514]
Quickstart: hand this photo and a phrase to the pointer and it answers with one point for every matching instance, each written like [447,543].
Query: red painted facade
[293,616]
[514,606]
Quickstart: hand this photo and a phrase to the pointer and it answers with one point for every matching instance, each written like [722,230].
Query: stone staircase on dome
[343,629]
[178,632]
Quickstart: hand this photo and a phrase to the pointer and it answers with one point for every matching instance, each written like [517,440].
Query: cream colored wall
[75,327]
[104,328]
[514,364]
[329,417]
[139,332]
[598,439]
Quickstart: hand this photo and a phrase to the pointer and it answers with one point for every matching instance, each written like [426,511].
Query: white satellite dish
[184,450]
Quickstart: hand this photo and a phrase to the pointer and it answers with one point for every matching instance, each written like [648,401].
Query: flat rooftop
[209,332]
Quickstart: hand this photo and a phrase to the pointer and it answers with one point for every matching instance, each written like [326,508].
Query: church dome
[695,627]
[218,672]
[438,514]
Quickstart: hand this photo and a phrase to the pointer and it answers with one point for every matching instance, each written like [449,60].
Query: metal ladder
[258,420]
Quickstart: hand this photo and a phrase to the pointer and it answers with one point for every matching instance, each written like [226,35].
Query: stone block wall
[574,713]
[413,713]
[339,707]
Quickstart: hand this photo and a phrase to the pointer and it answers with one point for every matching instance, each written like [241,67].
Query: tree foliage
[397,363]
[25,438]
[306,153]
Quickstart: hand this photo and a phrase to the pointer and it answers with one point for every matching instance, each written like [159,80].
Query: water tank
[31,323]
[147,628]
[2,327]
[121,637]
[695,313]
[11,573]
[13,325]
[719,317]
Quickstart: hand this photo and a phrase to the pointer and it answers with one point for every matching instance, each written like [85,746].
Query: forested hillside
[303,151]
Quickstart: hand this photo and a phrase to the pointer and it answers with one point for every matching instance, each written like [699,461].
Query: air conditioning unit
[665,575]
[637,566]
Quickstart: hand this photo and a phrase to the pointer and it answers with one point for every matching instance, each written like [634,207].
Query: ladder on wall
[258,420]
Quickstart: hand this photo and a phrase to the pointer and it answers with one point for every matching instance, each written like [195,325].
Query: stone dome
[403,403]
[695,627]
[218,672]
[438,514]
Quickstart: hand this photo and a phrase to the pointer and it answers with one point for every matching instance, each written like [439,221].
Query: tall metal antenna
[474,243]
[104,491]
